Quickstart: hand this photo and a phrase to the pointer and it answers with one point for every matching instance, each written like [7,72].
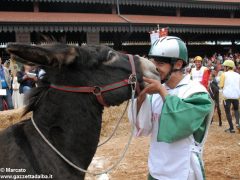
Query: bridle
[99,90]
[132,81]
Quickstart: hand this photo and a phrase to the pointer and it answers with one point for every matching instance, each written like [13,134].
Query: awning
[88,22]
[220,5]
[113,28]
[200,4]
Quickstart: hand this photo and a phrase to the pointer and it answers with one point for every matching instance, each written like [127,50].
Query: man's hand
[153,87]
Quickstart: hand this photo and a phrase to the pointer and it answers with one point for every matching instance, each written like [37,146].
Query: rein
[79,168]
[99,90]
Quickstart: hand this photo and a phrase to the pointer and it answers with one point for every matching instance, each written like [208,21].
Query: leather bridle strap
[98,90]
[133,75]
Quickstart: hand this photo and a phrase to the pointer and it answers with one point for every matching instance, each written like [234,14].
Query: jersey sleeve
[183,117]
[141,120]
[222,79]
[205,78]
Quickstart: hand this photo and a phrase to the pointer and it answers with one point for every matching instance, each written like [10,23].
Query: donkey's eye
[111,54]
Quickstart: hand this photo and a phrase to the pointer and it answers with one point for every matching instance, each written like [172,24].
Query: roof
[217,1]
[89,22]
[198,21]
[204,4]
[46,17]
[137,1]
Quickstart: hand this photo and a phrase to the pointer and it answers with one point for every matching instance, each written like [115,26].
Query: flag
[163,32]
[154,35]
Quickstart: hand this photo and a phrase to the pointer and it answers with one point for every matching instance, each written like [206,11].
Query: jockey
[176,113]
[200,73]
[230,84]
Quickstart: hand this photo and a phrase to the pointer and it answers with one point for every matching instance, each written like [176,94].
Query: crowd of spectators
[15,84]
[220,75]
[216,60]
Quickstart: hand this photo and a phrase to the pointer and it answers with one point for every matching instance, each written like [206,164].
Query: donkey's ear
[54,55]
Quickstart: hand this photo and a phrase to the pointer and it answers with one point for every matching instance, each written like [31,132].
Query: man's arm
[205,78]
[182,117]
[143,115]
[222,79]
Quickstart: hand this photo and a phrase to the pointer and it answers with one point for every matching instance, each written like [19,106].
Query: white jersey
[183,152]
[197,75]
[231,88]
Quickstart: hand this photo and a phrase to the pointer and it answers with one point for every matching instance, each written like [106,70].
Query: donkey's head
[71,67]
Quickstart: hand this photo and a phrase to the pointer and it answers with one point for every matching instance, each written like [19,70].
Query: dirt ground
[221,153]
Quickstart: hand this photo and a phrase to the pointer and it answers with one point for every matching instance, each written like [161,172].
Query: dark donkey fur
[70,121]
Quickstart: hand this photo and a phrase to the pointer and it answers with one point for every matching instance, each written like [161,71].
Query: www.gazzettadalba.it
[36,176]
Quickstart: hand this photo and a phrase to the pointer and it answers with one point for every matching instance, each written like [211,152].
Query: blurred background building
[207,26]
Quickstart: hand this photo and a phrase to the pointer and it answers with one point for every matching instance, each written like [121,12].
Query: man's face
[163,68]
[225,68]
[198,64]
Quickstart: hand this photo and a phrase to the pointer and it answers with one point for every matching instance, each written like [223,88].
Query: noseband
[99,90]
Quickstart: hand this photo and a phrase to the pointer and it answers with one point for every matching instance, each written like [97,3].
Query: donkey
[67,106]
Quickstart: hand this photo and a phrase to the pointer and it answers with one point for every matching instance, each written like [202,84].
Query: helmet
[198,58]
[229,63]
[170,47]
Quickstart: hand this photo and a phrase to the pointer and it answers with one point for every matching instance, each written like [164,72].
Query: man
[230,83]
[214,93]
[200,73]
[5,87]
[180,111]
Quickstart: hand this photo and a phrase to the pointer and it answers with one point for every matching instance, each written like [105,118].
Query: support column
[178,12]
[232,14]
[93,38]
[23,37]
[117,42]
[35,6]
[114,9]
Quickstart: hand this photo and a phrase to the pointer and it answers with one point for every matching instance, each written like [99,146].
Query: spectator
[214,93]
[230,83]
[220,58]
[16,96]
[27,78]
[7,65]
[5,86]
[205,60]
[200,73]
[218,66]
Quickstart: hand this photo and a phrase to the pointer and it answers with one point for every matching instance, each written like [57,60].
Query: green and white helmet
[169,47]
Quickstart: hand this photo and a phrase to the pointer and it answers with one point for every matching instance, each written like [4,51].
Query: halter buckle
[97,90]
[132,79]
